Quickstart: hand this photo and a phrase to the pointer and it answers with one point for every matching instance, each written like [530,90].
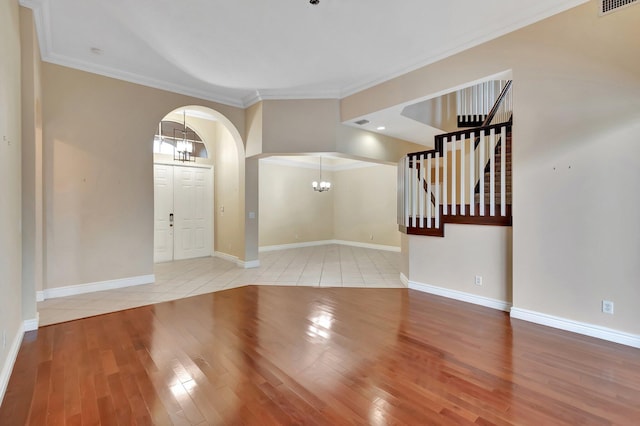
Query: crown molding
[557,8]
[41,13]
[141,80]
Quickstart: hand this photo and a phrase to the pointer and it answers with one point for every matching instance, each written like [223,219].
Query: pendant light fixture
[320,185]
[184,146]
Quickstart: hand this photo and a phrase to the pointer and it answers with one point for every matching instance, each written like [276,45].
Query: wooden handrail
[458,134]
[467,132]
[497,103]
[464,134]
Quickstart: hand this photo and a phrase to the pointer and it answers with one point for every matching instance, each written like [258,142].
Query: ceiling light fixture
[321,186]
[380,128]
[184,146]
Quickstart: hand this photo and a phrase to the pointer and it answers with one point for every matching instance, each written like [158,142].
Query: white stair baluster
[492,172]
[437,183]
[463,144]
[454,160]
[407,191]
[472,175]
[445,177]
[421,189]
[414,192]
[481,169]
[503,174]
[429,190]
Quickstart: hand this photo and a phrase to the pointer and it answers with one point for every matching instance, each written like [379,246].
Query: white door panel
[163,207]
[191,205]
[193,213]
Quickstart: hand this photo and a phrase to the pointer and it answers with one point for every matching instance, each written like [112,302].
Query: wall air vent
[610,6]
[362,122]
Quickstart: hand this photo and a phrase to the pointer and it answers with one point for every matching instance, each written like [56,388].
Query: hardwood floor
[300,355]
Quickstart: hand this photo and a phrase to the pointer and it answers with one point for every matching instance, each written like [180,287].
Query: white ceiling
[238,52]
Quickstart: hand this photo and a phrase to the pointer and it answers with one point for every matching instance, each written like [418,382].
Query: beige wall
[465,251]
[290,126]
[254,130]
[576,160]
[360,204]
[290,210]
[229,195]
[312,126]
[10,175]
[32,184]
[372,146]
[98,173]
[365,207]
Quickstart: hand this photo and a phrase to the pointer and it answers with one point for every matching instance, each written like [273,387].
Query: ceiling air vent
[362,122]
[610,6]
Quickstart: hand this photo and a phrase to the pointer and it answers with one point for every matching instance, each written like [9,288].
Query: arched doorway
[198,185]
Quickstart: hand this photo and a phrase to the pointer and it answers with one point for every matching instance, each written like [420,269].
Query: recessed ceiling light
[380,128]
[96,51]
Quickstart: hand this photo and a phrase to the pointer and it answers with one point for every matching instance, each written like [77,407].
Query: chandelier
[321,185]
[184,146]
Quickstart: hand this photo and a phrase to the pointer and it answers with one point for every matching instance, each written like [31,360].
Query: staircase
[465,179]
[497,183]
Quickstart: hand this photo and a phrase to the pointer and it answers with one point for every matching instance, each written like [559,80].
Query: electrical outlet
[607,307]
[371,236]
[478,279]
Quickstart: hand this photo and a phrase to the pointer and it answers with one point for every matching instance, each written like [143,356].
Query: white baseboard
[462,296]
[249,264]
[294,245]
[404,279]
[32,324]
[586,329]
[238,262]
[226,256]
[367,245]
[73,290]
[327,242]
[10,361]
[40,296]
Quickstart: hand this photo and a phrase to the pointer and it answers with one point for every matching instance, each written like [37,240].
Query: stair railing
[444,181]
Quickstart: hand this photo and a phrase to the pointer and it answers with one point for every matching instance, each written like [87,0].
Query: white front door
[193,212]
[190,206]
[163,209]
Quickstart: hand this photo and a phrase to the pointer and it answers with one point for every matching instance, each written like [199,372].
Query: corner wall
[98,165]
[360,207]
[32,183]
[11,317]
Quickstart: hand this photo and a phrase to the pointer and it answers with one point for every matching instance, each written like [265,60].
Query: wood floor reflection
[300,355]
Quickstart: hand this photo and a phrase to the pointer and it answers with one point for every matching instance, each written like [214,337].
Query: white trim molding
[327,242]
[277,247]
[249,264]
[404,280]
[10,361]
[234,259]
[32,324]
[462,296]
[395,249]
[578,327]
[73,290]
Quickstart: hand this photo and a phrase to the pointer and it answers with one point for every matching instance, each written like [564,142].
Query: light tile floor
[324,266]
